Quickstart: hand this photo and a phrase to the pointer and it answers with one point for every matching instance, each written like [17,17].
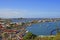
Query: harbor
[19,29]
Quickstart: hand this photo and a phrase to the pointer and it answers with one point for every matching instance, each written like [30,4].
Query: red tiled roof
[9,30]
[1,26]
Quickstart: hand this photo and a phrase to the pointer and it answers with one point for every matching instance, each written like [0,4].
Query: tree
[6,35]
[29,36]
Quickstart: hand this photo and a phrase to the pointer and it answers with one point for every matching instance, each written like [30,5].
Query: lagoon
[44,28]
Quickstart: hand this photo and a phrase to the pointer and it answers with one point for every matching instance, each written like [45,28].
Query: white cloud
[11,13]
[8,13]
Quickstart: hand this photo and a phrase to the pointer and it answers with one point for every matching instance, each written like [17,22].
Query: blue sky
[30,8]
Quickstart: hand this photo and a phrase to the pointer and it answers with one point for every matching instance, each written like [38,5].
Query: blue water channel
[44,28]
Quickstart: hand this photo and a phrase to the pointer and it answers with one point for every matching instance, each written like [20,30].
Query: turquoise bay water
[44,28]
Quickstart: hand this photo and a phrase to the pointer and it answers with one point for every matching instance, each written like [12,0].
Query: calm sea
[41,28]
[44,28]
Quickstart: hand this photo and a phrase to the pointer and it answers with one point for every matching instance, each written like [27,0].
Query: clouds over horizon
[17,13]
[11,13]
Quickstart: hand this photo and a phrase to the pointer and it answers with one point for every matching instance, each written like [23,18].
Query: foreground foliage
[29,36]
